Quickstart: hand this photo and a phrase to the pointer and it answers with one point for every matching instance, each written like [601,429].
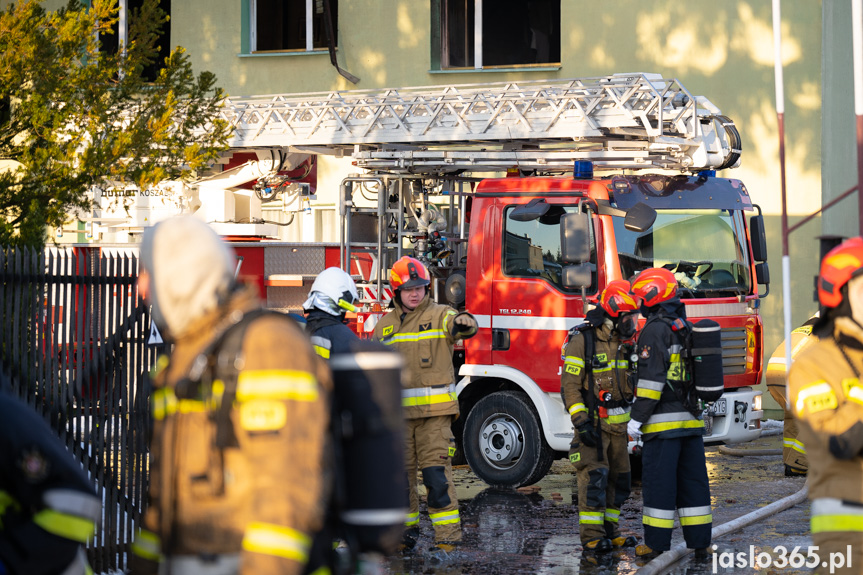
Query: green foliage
[73,117]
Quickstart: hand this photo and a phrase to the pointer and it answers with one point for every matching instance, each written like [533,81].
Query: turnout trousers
[674,479]
[793,450]
[603,486]
[429,448]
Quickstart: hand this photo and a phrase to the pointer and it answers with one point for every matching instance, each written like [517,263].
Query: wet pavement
[535,530]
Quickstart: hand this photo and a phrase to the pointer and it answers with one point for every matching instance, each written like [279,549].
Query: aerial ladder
[413,143]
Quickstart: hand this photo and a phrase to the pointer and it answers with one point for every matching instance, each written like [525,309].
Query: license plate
[719,408]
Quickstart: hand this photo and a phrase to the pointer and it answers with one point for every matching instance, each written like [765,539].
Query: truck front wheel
[503,441]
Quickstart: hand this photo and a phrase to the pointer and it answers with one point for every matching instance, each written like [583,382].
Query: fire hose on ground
[753,452]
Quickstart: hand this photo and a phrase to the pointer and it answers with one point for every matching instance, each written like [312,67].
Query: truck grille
[733,351]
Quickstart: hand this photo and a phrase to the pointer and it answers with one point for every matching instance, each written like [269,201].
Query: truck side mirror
[639,217]
[575,238]
[530,211]
[758,238]
[762,276]
[576,276]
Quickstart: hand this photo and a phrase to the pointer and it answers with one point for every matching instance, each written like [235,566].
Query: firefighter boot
[600,545]
[703,554]
[646,553]
[794,472]
[409,539]
[618,540]
[442,549]
[621,541]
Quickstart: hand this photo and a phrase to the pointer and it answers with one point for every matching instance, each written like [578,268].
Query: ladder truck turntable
[610,175]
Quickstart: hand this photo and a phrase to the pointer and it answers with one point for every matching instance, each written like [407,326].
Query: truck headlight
[756,403]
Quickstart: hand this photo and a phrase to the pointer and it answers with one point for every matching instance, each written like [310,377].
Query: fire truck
[604,177]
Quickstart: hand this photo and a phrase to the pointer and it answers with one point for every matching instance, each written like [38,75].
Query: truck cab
[513,423]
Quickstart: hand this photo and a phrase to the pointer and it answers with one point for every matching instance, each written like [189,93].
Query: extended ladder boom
[624,120]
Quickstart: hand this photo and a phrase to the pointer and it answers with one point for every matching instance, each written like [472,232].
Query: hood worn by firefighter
[333,294]
[237,479]
[826,397]
[674,475]
[597,391]
[49,509]
[424,332]
[793,450]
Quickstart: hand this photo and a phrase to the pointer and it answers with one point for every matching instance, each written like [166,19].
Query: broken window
[281,25]
[486,33]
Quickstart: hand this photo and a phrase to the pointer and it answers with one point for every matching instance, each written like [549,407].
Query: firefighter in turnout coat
[237,479]
[793,450]
[826,396]
[597,392]
[49,509]
[425,332]
[674,474]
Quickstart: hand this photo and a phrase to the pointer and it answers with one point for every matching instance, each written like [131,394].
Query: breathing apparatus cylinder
[371,488]
[706,353]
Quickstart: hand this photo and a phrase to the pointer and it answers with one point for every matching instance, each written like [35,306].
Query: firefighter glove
[465,324]
[587,434]
[633,428]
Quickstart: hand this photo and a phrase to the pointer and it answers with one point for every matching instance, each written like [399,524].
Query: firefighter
[826,397]
[597,392]
[793,451]
[333,294]
[237,474]
[425,332]
[674,473]
[49,509]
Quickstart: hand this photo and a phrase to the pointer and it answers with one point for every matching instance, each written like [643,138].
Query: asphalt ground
[535,530]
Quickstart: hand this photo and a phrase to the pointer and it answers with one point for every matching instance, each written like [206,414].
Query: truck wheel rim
[501,441]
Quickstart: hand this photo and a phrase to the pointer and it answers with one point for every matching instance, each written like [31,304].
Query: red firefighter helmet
[654,286]
[842,263]
[616,299]
[407,273]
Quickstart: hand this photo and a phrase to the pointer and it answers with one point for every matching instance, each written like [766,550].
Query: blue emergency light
[582,170]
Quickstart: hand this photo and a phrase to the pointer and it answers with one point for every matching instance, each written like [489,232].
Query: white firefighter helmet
[333,292]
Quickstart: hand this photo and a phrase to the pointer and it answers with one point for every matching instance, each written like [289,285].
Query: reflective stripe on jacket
[660,371]
[425,339]
[609,374]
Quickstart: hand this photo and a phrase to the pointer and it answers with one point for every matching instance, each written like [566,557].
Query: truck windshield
[705,249]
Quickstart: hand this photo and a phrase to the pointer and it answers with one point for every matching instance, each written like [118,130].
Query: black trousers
[674,480]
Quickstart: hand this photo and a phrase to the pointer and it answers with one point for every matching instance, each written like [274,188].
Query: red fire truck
[538,246]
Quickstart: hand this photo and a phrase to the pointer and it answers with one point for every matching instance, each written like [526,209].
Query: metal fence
[73,345]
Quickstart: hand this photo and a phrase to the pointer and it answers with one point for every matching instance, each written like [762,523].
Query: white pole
[780,115]
[310,18]
[777,57]
[857,31]
[477,34]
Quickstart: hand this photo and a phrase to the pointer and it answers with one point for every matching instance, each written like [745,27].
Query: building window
[493,33]
[284,25]
[128,11]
